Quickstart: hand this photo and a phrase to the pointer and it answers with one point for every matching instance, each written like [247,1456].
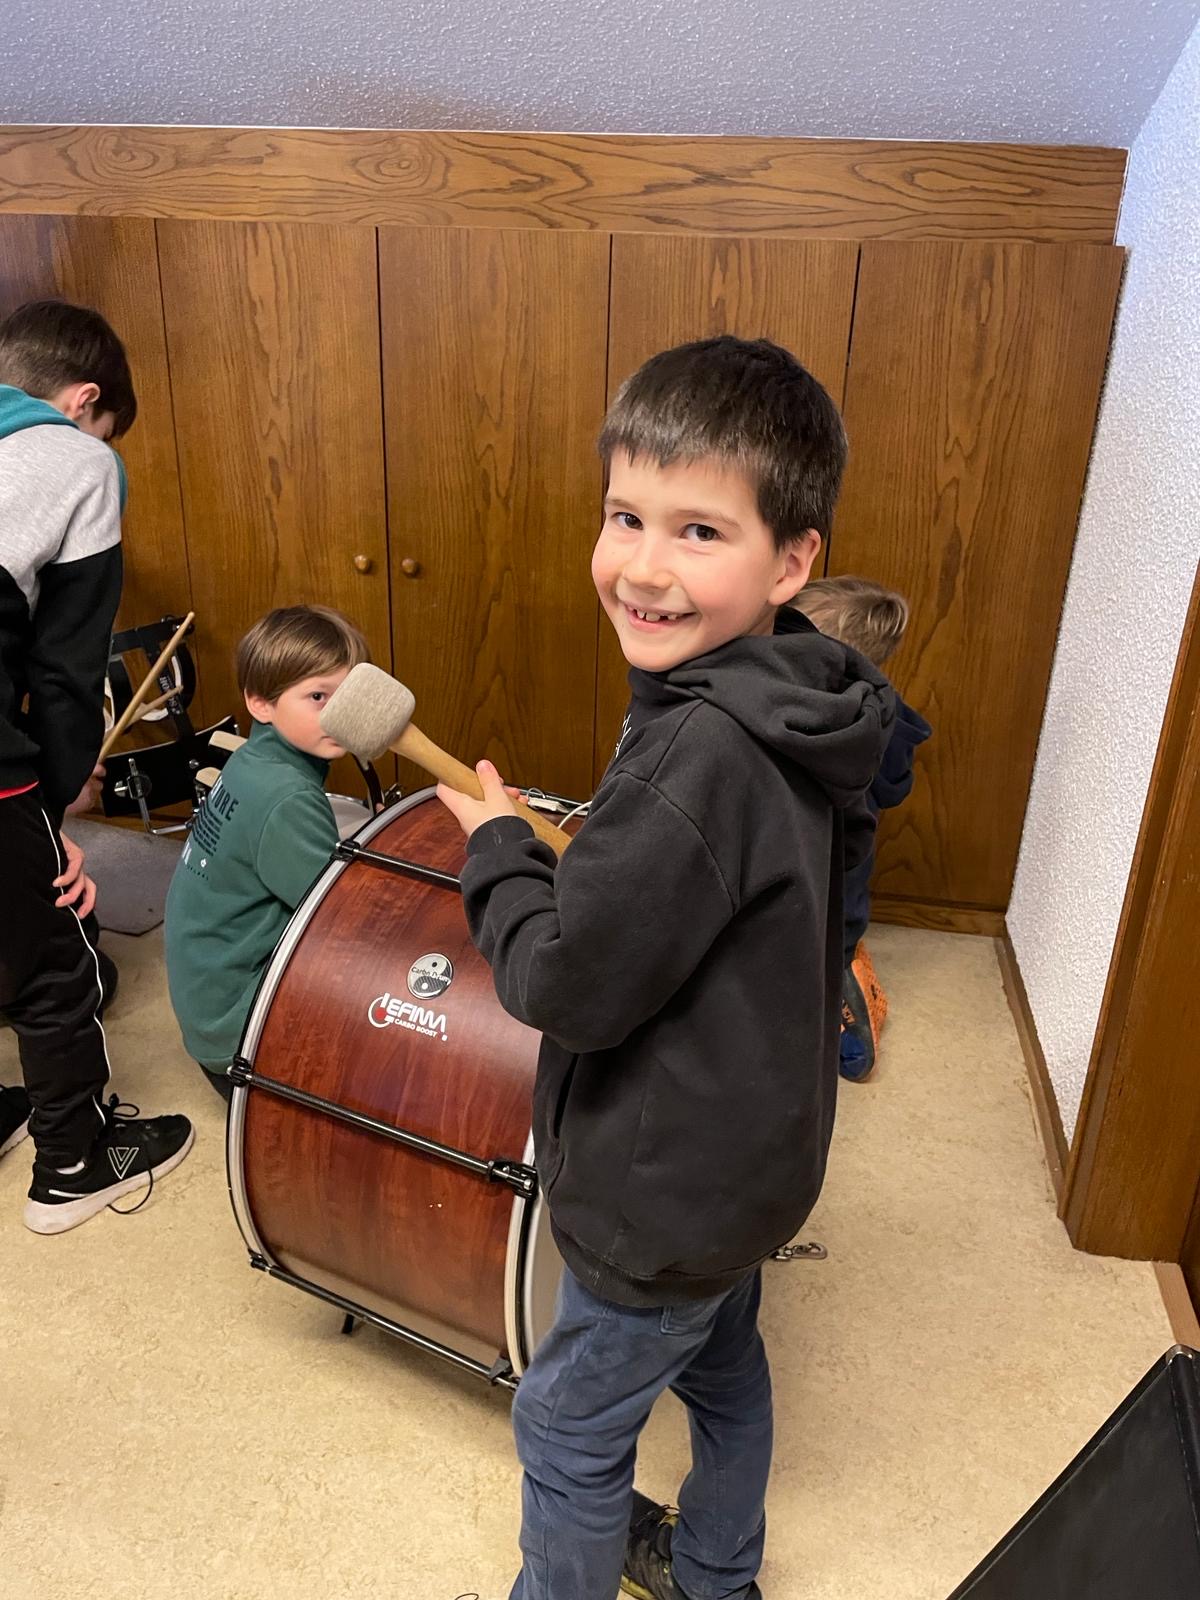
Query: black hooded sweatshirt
[684,963]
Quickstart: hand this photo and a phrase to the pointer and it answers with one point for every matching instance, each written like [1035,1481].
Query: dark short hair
[857,611]
[292,643]
[745,402]
[47,344]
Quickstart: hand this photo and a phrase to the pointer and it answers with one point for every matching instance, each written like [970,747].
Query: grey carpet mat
[132,872]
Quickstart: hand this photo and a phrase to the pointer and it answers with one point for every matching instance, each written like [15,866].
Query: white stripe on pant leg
[95,963]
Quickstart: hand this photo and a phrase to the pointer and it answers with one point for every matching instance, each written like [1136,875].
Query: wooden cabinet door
[667,290]
[111,264]
[974,379]
[493,367]
[273,337]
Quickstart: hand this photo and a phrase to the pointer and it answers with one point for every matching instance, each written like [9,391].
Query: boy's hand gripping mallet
[371,712]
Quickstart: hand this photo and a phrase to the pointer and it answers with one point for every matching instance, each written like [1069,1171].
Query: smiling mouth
[655,618]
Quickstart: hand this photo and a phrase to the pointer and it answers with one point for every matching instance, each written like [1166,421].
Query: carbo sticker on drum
[430,976]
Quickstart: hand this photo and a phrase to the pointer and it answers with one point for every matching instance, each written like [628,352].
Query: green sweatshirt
[260,839]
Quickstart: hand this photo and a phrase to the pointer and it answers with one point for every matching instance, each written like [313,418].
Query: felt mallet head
[368,711]
[371,712]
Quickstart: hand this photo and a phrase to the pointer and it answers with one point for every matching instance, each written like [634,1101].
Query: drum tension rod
[520,1179]
[351,850]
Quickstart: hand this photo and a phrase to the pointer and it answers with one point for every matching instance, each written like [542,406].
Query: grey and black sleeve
[79,590]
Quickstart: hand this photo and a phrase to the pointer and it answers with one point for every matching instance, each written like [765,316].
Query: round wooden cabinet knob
[363,563]
[409,567]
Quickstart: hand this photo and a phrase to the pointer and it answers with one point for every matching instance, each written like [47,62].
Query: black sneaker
[647,1572]
[14,1118]
[130,1154]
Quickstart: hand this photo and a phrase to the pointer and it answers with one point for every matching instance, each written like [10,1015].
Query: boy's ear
[261,710]
[798,561]
[74,400]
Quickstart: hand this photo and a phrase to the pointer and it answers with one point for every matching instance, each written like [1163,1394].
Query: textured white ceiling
[1060,71]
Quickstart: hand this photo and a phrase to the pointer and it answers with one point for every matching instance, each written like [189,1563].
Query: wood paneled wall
[273,344]
[400,419]
[973,383]
[494,345]
[273,341]
[613,183]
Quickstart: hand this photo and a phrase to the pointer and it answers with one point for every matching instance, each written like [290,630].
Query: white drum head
[349,814]
[532,1274]
[543,1275]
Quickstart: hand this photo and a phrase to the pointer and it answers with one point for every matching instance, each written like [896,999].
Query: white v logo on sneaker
[122,1158]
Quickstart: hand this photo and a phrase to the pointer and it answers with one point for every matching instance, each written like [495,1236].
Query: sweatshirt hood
[894,780]
[814,702]
[19,410]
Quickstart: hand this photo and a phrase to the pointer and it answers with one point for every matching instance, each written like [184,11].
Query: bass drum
[379,1134]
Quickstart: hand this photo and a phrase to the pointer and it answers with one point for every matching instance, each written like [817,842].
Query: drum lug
[520,1179]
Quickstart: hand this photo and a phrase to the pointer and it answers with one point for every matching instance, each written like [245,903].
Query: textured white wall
[1135,560]
[1061,71]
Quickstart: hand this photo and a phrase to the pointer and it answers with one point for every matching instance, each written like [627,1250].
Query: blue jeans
[578,1413]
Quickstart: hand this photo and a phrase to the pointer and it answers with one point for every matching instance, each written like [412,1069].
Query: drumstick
[371,712]
[155,705]
[146,685]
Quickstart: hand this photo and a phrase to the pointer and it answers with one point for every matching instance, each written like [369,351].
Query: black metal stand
[515,1175]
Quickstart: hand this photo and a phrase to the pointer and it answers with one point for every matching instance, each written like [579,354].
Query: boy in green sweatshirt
[263,834]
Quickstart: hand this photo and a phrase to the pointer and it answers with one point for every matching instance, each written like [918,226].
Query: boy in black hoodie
[677,1143]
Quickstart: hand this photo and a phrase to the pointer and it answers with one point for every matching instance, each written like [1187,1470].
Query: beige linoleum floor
[175,1425]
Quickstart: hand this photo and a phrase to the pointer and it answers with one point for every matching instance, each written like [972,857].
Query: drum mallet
[370,713]
[130,712]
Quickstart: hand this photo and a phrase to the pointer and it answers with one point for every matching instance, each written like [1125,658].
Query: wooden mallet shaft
[370,712]
[416,747]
